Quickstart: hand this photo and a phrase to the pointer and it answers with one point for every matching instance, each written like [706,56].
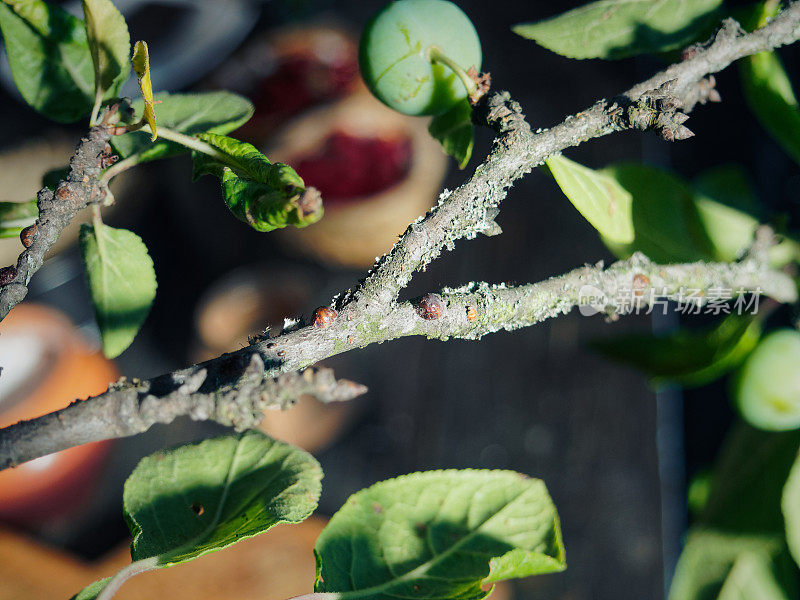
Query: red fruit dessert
[378,170]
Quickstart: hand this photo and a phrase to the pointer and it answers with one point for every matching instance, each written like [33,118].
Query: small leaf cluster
[69,69]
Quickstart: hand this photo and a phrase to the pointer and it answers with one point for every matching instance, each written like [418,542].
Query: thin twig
[56,210]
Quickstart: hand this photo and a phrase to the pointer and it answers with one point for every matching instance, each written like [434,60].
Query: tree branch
[237,396]
[652,104]
[56,210]
[231,389]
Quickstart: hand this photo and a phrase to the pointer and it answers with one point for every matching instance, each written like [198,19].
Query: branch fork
[235,388]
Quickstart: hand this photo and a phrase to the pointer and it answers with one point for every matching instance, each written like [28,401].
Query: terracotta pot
[274,566]
[46,365]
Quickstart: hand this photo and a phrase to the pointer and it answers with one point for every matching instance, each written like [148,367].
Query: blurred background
[614,454]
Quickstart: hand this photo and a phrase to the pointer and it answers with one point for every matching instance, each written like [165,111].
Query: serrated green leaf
[245,484]
[455,132]
[110,45]
[204,112]
[183,503]
[122,283]
[790,506]
[439,535]
[141,66]
[263,194]
[614,29]
[49,58]
[598,197]
[688,357]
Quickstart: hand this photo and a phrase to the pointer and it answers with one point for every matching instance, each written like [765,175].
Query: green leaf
[110,44]
[122,283]
[205,112]
[597,196]
[620,28]
[676,222]
[15,216]
[698,491]
[438,535]
[729,185]
[742,515]
[790,505]
[263,194]
[749,480]
[141,66]
[92,591]
[10,232]
[455,132]
[767,87]
[727,206]
[688,357]
[666,221]
[243,484]
[708,560]
[183,503]
[49,57]
[16,211]
[769,94]
[752,577]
